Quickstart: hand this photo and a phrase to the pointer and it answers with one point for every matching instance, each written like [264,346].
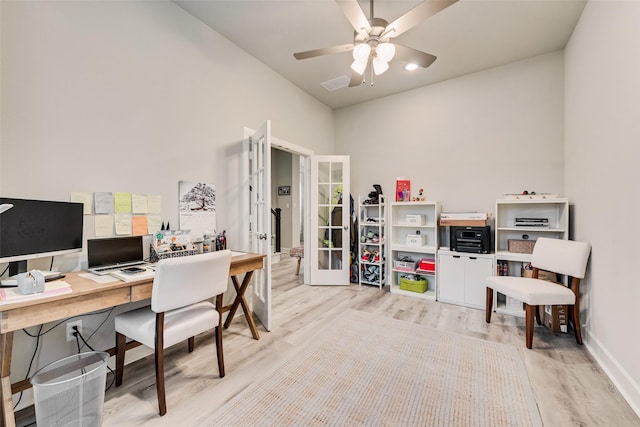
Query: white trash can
[70,392]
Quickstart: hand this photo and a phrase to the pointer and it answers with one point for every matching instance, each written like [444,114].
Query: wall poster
[197,204]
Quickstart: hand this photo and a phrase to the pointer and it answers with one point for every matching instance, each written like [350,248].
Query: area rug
[369,370]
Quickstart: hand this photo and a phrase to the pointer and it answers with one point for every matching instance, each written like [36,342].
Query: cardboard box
[556,317]
[463,222]
[416,240]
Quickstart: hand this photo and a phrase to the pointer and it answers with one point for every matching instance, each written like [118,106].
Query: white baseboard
[628,388]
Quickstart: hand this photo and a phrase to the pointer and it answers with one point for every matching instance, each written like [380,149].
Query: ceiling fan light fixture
[379,66]
[359,65]
[385,51]
[411,66]
[361,52]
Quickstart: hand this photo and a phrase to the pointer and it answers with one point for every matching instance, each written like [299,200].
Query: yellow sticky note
[122,202]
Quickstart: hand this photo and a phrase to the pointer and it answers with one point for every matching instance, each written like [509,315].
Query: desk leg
[6,346]
[240,290]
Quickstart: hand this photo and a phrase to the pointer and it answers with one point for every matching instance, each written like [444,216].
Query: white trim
[625,384]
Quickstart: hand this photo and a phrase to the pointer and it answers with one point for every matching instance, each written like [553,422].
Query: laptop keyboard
[108,269]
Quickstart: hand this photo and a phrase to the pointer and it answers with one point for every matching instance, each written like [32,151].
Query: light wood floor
[569,387]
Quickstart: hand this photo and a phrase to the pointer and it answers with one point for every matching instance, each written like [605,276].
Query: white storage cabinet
[462,277]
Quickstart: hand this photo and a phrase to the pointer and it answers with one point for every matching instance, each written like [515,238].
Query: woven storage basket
[521,246]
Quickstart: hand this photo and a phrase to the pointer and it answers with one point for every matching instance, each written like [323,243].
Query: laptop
[113,254]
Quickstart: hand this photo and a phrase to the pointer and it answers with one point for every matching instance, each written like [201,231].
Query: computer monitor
[38,228]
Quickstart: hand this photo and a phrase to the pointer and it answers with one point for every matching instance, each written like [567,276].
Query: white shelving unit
[555,210]
[427,214]
[371,223]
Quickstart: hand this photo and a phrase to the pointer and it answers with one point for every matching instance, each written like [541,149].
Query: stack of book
[532,222]
[464,219]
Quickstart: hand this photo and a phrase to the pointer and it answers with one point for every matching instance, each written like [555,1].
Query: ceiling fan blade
[414,56]
[355,15]
[324,51]
[356,79]
[416,15]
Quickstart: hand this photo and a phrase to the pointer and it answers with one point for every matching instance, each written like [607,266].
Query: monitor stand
[17,267]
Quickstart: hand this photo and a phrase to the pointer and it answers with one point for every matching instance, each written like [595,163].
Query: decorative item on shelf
[366,254]
[419,197]
[403,190]
[376,255]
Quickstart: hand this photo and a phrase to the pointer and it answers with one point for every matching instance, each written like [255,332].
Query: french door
[329,242]
[258,155]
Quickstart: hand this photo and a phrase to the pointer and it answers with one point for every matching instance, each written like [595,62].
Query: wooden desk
[87,296]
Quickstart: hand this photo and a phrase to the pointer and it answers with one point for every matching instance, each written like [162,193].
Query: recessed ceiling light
[411,66]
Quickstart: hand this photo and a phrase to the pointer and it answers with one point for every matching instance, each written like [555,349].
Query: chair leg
[298,267]
[575,315]
[121,343]
[191,344]
[219,350]
[529,315]
[489,305]
[159,356]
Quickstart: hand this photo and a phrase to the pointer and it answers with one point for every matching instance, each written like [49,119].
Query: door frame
[283,145]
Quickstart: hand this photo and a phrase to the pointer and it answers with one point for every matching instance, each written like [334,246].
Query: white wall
[602,149]
[466,141]
[132,96]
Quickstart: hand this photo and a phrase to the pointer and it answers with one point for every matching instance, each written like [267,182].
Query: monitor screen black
[39,228]
[115,250]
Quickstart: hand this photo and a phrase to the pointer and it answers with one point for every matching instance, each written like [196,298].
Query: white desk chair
[180,309]
[556,255]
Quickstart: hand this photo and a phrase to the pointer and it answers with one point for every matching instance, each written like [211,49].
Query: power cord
[33,356]
[79,337]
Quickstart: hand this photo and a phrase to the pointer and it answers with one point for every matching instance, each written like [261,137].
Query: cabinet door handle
[473,257]
[456,256]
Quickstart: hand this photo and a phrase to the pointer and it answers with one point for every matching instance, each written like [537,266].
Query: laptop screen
[114,250]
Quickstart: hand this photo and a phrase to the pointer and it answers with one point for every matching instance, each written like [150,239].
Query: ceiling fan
[371,45]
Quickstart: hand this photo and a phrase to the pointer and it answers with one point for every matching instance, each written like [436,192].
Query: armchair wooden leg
[575,316]
[219,350]
[529,315]
[489,305]
[121,343]
[191,344]
[538,314]
[159,356]
[298,266]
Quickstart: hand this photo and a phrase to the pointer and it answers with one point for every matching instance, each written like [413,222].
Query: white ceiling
[469,36]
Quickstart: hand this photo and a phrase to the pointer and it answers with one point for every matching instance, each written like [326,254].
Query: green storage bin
[419,285]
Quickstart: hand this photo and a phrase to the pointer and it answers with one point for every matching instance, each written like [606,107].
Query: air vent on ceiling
[337,83]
